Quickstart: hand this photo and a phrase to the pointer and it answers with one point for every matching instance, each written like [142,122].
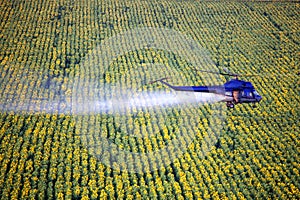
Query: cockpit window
[247,93]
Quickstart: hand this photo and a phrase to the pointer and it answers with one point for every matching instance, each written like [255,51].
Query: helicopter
[235,91]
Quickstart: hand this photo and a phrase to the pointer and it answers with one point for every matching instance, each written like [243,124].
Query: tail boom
[204,89]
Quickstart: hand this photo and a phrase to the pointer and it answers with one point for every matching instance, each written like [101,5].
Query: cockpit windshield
[255,93]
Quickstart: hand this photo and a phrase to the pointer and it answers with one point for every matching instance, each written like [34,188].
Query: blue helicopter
[234,91]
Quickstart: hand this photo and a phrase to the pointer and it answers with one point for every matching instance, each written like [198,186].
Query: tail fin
[159,80]
[165,83]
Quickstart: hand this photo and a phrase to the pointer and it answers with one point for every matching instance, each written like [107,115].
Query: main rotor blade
[262,74]
[214,72]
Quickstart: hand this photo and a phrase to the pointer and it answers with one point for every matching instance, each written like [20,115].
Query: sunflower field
[60,139]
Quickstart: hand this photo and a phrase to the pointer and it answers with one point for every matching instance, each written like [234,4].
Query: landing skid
[229,104]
